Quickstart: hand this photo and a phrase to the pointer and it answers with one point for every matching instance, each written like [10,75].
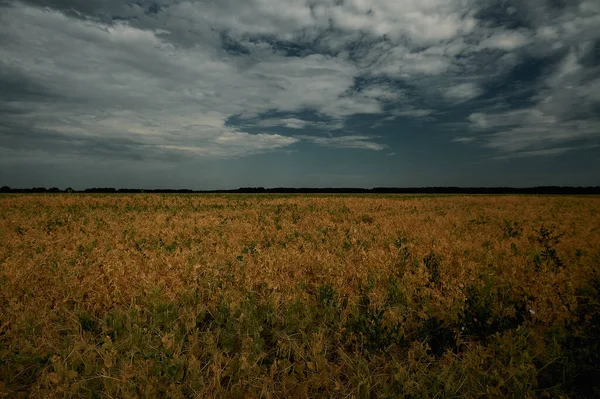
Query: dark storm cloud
[17,86]
[24,138]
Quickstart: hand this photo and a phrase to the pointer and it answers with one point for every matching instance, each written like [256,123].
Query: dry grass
[294,296]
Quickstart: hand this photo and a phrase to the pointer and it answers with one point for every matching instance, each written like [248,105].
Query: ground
[299,296]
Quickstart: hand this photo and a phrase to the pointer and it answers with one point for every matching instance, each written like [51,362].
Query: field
[299,296]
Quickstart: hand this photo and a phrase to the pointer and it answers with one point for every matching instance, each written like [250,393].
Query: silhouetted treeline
[328,190]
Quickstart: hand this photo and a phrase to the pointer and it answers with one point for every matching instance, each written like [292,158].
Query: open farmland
[299,296]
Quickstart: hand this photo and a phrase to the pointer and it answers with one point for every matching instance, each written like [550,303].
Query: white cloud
[400,61]
[358,142]
[462,92]
[384,92]
[505,40]
[463,139]
[530,116]
[227,143]
[291,123]
[535,153]
[295,123]
[407,112]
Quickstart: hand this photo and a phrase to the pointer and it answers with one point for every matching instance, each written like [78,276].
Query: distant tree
[5,189]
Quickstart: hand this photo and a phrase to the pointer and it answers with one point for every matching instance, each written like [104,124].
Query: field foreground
[299,296]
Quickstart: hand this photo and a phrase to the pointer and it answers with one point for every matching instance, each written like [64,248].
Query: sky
[308,93]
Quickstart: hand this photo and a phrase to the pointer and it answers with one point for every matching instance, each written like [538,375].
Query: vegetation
[299,296]
[556,190]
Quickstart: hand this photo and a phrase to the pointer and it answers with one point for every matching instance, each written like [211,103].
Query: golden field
[198,296]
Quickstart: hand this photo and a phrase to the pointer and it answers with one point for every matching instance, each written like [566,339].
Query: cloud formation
[187,79]
[357,142]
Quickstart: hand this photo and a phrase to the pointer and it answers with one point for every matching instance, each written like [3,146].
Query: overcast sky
[228,93]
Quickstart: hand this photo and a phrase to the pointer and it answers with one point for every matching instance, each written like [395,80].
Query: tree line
[570,190]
